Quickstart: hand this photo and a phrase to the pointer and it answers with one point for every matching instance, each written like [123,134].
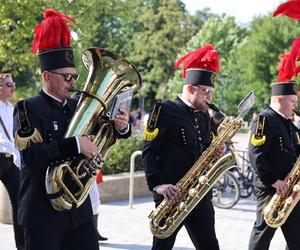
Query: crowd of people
[176,134]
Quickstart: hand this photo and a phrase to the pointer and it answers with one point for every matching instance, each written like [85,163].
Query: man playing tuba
[40,124]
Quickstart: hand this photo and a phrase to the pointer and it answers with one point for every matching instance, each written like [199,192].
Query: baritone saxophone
[280,207]
[196,183]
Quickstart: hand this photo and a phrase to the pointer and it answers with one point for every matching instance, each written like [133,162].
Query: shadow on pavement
[134,246]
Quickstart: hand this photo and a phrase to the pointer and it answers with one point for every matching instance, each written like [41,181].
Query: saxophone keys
[289,201]
[296,188]
[182,206]
[193,192]
[203,180]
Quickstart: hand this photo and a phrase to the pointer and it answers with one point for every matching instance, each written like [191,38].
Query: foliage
[152,34]
[254,65]
[225,35]
[164,28]
[18,19]
[118,158]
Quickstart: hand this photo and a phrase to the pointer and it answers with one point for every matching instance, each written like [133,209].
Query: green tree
[165,27]
[253,66]
[18,19]
[226,36]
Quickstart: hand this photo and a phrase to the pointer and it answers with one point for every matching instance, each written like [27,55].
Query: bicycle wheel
[226,191]
[247,186]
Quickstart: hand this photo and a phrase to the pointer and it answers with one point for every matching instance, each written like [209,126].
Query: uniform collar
[185,104]
[280,114]
[190,106]
[53,97]
[52,100]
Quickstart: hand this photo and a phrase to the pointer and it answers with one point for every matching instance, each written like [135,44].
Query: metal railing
[131,178]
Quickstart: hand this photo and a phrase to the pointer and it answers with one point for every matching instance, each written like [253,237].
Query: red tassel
[53,32]
[290,8]
[99,178]
[205,58]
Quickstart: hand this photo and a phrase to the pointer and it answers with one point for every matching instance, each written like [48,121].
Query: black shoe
[101,238]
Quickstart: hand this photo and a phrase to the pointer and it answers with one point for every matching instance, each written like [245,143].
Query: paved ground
[128,228]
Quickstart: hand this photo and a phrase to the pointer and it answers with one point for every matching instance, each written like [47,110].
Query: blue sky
[242,10]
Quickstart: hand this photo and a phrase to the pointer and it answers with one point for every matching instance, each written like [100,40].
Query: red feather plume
[53,32]
[294,57]
[290,8]
[285,70]
[204,58]
[287,67]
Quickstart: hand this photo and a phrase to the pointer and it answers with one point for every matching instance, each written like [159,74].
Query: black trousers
[80,238]
[262,234]
[200,225]
[10,176]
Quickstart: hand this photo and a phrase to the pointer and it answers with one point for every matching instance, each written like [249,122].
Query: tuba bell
[69,183]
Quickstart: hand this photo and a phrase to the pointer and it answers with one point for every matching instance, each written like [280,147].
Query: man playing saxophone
[273,150]
[177,134]
[40,123]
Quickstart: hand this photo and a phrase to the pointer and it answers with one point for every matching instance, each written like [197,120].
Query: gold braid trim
[258,138]
[150,131]
[25,142]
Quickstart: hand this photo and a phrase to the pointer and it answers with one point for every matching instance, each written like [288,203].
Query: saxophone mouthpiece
[213,107]
[296,112]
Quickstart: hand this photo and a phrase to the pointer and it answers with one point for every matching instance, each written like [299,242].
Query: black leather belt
[5,155]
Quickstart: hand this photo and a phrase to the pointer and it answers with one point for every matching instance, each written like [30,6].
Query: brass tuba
[196,183]
[279,207]
[108,74]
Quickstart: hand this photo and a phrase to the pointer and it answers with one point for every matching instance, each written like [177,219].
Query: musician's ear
[45,75]
[190,88]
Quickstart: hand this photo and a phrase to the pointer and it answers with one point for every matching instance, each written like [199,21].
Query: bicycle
[243,172]
[236,183]
[226,191]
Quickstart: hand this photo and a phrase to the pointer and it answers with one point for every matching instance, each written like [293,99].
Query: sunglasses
[67,76]
[205,91]
[9,84]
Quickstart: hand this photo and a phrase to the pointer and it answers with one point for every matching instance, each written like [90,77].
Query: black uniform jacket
[183,135]
[275,158]
[51,118]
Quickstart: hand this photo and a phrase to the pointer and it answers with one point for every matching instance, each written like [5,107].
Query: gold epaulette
[258,138]
[25,135]
[151,131]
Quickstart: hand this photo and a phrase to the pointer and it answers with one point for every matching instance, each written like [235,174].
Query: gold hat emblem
[69,57]
[213,78]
